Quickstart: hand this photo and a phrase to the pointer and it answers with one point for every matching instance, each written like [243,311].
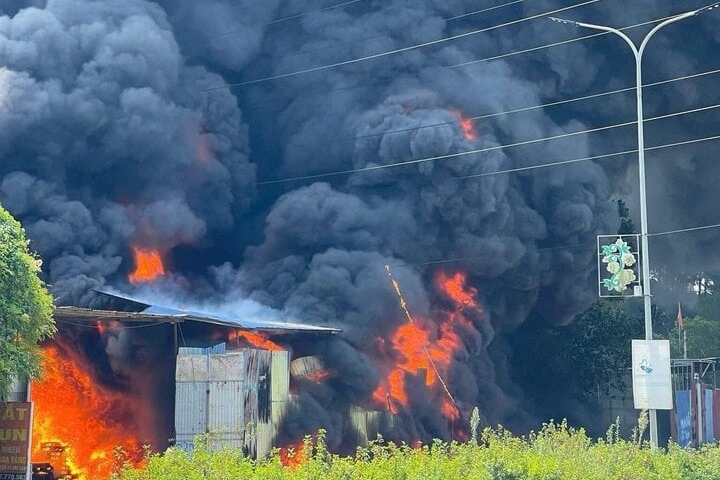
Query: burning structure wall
[120,134]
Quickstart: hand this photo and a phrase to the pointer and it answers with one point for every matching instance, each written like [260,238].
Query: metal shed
[238,398]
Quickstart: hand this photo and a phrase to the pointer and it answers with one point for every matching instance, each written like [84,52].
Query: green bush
[555,452]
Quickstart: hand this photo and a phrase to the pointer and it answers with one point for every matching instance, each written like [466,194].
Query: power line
[562,247]
[324,9]
[657,147]
[328,47]
[484,10]
[292,17]
[372,37]
[594,157]
[464,259]
[123,327]
[399,50]
[484,150]
[522,109]
[684,230]
[555,44]
[541,106]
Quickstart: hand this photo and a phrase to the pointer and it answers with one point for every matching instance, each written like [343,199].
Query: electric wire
[399,50]
[483,10]
[555,44]
[182,336]
[550,104]
[563,247]
[577,160]
[684,230]
[497,57]
[591,158]
[361,40]
[403,305]
[124,327]
[292,17]
[485,149]
[324,9]
[530,108]
[463,259]
[541,106]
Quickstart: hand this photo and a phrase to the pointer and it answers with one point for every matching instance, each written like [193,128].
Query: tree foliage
[25,305]
[703,338]
[587,357]
[597,344]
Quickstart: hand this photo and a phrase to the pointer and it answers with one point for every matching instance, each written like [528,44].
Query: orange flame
[426,348]
[76,423]
[467,126]
[292,455]
[320,376]
[454,287]
[418,354]
[255,339]
[148,265]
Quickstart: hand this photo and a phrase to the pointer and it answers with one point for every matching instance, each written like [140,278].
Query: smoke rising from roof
[113,133]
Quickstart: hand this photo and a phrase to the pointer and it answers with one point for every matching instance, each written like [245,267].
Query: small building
[166,375]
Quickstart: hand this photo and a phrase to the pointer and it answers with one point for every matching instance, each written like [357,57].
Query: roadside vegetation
[25,306]
[556,452]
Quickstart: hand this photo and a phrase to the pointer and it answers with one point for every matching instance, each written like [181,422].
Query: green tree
[25,305]
[626,223]
[587,357]
[597,344]
[703,338]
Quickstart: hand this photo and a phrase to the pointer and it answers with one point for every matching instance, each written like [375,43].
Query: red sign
[15,436]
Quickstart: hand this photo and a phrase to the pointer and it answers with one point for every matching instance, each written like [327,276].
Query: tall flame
[417,354]
[428,348]
[73,415]
[148,265]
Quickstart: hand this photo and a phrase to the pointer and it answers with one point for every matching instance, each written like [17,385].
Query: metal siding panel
[227,366]
[225,412]
[190,412]
[280,375]
[191,368]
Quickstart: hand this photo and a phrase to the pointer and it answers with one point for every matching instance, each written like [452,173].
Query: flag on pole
[679,319]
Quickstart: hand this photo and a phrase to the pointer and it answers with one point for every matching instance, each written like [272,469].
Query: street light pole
[638,53]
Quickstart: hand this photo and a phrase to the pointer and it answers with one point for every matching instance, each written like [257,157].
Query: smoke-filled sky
[254,145]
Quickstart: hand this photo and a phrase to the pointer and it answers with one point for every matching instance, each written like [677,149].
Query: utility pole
[645,264]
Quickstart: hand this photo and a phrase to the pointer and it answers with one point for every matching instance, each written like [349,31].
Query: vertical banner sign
[708,405]
[15,435]
[652,388]
[684,418]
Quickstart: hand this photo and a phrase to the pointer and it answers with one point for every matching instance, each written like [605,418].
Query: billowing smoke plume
[118,130]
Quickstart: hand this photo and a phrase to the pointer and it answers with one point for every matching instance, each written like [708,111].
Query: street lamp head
[705,9]
[562,20]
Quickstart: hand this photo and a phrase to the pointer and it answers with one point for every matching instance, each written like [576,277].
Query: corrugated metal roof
[160,313]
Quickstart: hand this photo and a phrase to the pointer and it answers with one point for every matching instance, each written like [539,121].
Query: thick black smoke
[118,128]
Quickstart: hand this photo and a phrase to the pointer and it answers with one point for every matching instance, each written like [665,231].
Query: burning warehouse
[136,373]
[144,375]
[283,153]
